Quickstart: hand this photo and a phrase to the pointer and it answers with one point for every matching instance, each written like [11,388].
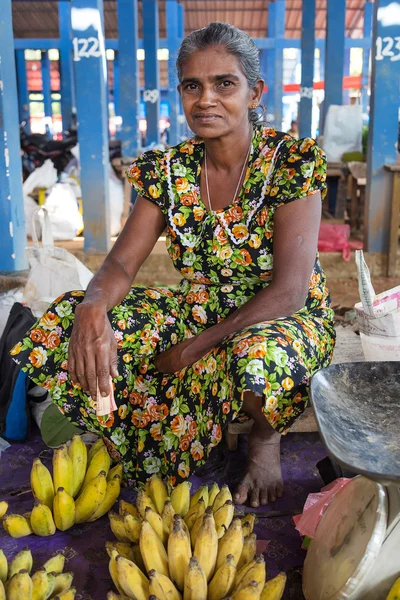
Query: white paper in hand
[105,404]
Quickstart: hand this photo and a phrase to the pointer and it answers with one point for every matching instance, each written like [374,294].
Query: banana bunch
[183,547]
[17,582]
[82,488]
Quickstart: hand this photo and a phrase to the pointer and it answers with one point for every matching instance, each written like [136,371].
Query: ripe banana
[143,500]
[63,583]
[40,585]
[2,591]
[158,493]
[125,549]
[63,510]
[274,588]
[55,564]
[179,553]
[202,492]
[222,583]
[223,518]
[112,493]
[42,483]
[117,524]
[183,525]
[22,560]
[3,567]
[90,498]
[127,507]
[78,454]
[3,508]
[42,521]
[206,547]
[152,550]
[138,557]
[131,579]
[132,527]
[101,461]
[51,582]
[240,574]
[95,448]
[67,595]
[180,498]
[194,513]
[248,552]
[113,570]
[117,470]
[248,522]
[195,587]
[167,516]
[17,526]
[162,587]
[157,524]
[256,572]
[249,591]
[222,497]
[114,596]
[198,523]
[20,586]
[62,470]
[231,543]
[213,493]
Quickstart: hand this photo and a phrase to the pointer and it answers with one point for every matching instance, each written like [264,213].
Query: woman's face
[215,93]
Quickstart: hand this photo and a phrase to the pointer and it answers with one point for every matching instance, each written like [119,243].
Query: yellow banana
[113,570]
[3,567]
[125,549]
[158,493]
[95,448]
[127,507]
[202,492]
[143,501]
[101,461]
[152,550]
[195,587]
[167,516]
[178,518]
[117,524]
[206,547]
[249,591]
[55,564]
[223,518]
[62,470]
[248,522]
[90,498]
[222,583]
[51,582]
[242,572]
[63,582]
[197,524]
[3,508]
[42,521]
[179,553]
[40,585]
[131,579]
[63,510]
[157,524]
[248,552]
[180,498]
[22,560]
[256,572]
[213,493]
[17,526]
[67,595]
[231,543]
[117,470]
[42,483]
[112,493]
[222,497]
[78,454]
[274,588]
[132,526]
[138,557]
[162,587]
[20,586]
[194,513]
[114,596]
[2,591]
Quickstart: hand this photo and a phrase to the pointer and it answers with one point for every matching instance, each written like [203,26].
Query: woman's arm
[296,228]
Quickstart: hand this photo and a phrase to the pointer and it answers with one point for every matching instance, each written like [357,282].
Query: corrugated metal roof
[40,19]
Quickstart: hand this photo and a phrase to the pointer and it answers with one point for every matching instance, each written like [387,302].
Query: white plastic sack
[30,206]
[342,131]
[62,207]
[116,192]
[43,177]
[53,270]
[7,300]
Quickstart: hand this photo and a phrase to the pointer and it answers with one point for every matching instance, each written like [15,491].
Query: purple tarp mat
[84,545]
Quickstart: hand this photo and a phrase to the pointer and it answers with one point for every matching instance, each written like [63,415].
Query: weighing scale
[355,553]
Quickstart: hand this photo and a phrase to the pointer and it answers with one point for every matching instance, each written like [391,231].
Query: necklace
[238,184]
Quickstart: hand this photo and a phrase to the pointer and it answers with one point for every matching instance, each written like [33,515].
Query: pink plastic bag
[335,238]
[315,506]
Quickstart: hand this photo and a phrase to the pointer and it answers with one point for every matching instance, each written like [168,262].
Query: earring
[254,106]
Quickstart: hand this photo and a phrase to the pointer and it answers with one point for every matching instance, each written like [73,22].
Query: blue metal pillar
[23,92]
[334,53]
[116,91]
[151,71]
[67,84]
[46,90]
[346,72]
[384,124]
[307,67]
[129,84]
[368,8]
[264,75]
[183,129]
[271,65]
[12,219]
[276,29]
[173,42]
[90,75]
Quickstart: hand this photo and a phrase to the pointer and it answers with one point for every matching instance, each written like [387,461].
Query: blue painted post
[90,74]
[278,16]
[67,84]
[116,92]
[46,90]
[264,75]
[181,22]
[151,72]
[129,84]
[173,47]
[183,129]
[347,61]
[383,127]
[334,53]
[12,219]
[23,92]
[307,67]
[368,8]
[271,64]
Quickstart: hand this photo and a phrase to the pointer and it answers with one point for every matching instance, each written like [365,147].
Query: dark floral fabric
[169,424]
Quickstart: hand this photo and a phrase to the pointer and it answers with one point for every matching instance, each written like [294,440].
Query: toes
[255,497]
[264,497]
[241,494]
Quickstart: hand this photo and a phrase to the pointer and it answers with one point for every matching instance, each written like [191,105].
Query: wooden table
[337,170]
[394,219]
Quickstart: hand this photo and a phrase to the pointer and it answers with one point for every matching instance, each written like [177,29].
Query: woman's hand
[92,353]
[178,357]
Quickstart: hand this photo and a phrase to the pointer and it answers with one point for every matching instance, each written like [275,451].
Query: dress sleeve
[300,171]
[146,175]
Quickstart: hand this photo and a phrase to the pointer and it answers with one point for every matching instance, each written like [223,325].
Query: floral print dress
[169,423]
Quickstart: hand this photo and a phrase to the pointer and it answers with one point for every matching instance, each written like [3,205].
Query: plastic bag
[116,194]
[335,238]
[54,270]
[43,177]
[342,131]
[63,210]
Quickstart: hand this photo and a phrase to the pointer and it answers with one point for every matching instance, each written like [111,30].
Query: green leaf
[55,428]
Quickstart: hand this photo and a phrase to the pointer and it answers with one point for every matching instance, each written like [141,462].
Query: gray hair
[236,42]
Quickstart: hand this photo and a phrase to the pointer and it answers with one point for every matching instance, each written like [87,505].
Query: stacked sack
[82,488]
[17,583]
[190,547]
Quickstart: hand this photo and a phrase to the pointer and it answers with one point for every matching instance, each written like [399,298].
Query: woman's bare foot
[262,482]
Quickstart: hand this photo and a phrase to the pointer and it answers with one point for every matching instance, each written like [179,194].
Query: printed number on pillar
[151,96]
[306,92]
[86,48]
[388,47]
